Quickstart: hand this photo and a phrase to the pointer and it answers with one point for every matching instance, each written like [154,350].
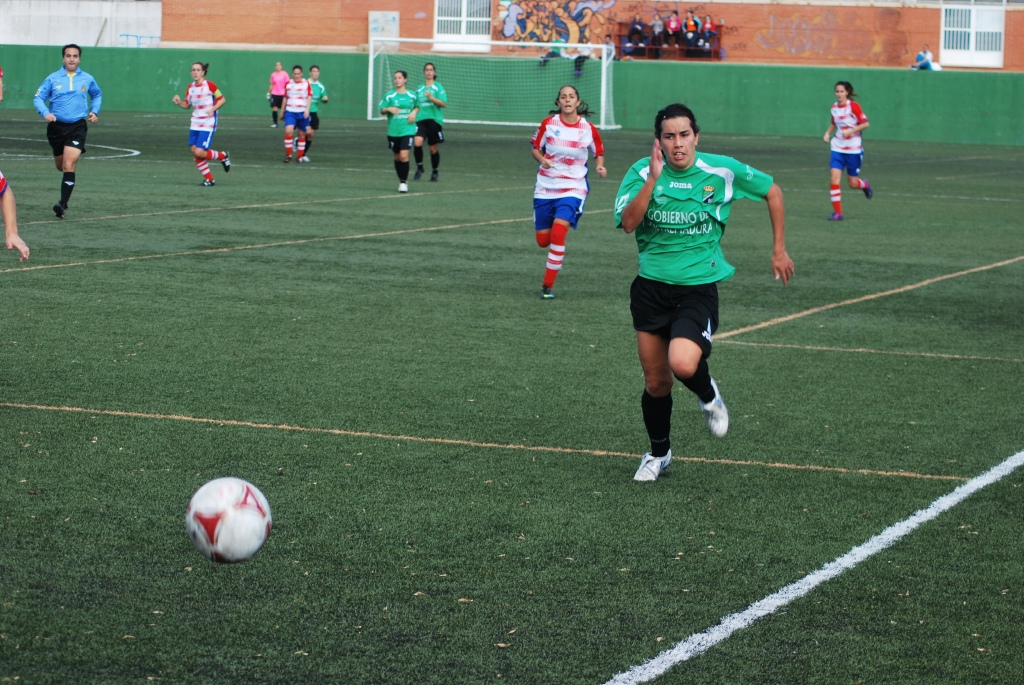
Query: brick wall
[760,33]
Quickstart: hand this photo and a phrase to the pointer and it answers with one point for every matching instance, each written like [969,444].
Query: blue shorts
[201,139]
[568,209]
[297,120]
[843,160]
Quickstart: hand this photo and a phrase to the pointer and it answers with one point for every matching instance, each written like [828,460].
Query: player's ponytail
[849,88]
[204,67]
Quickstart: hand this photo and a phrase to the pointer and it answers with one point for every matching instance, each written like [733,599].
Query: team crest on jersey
[659,197]
[709,197]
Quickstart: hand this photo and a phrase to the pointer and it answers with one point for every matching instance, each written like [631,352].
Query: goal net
[512,83]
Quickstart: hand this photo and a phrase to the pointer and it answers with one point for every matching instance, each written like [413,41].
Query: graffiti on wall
[828,36]
[543,21]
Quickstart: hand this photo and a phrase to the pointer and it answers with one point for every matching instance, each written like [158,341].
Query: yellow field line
[867,350]
[462,443]
[864,298]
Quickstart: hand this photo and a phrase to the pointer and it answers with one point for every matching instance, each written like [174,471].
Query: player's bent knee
[544,238]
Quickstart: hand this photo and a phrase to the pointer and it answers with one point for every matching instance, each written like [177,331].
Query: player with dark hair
[298,98]
[677,203]
[401,108]
[847,121]
[275,93]
[319,95]
[67,99]
[561,145]
[432,99]
[205,98]
[9,210]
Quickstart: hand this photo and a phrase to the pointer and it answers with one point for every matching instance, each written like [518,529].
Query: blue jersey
[71,96]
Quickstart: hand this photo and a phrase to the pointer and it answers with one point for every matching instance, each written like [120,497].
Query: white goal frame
[602,57]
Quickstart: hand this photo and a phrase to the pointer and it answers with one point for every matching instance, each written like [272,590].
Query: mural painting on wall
[827,36]
[543,21]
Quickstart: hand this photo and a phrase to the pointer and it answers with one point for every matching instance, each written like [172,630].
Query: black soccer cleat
[207,183]
[226,162]
[418,175]
[433,175]
[59,210]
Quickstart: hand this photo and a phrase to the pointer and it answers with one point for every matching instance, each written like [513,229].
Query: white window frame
[973,34]
[461,41]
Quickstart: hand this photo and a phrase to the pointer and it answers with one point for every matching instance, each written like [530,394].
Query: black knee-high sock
[435,160]
[417,153]
[67,184]
[700,382]
[402,169]
[658,419]
[273,113]
[309,144]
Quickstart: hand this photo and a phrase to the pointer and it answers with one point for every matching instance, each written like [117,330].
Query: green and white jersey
[680,235]
[398,124]
[318,93]
[428,110]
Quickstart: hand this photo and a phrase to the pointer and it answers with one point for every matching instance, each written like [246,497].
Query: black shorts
[314,121]
[61,135]
[399,143]
[276,101]
[430,130]
[675,311]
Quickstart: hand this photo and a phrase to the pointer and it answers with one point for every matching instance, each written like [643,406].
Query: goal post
[497,82]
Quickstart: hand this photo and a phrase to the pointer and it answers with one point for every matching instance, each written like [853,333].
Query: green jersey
[679,237]
[428,110]
[319,92]
[398,124]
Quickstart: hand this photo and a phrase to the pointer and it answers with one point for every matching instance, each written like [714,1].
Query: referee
[73,97]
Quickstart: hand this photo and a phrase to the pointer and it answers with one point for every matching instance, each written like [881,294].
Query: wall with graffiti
[762,33]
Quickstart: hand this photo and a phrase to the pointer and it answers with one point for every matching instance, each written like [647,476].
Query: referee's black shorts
[675,311]
[61,135]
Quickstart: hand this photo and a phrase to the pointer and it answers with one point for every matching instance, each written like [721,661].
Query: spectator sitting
[707,32]
[691,29]
[579,57]
[673,28]
[611,43]
[555,51]
[925,62]
[657,34]
[636,32]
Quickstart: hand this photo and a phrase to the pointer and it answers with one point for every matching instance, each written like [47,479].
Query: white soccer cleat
[403,187]
[651,467]
[305,159]
[715,413]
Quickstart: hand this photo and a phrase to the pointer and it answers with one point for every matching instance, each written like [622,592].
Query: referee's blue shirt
[67,96]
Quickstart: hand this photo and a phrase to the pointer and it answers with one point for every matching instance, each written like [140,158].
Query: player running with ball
[205,98]
[561,145]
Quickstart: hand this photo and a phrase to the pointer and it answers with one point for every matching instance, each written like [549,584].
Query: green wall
[145,80]
[902,104]
[957,107]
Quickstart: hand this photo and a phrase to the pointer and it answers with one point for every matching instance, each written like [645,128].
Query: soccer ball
[228,520]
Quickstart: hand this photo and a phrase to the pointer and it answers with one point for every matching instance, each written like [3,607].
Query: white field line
[699,643]
[868,350]
[200,210]
[866,298]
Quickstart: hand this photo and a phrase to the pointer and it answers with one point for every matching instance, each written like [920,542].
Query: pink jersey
[202,98]
[567,146]
[278,80]
[847,117]
[297,96]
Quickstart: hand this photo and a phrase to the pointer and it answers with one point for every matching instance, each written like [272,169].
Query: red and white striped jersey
[3,183]
[566,145]
[297,95]
[202,98]
[847,116]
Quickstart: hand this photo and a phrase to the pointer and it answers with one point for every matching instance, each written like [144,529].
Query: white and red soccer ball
[228,520]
